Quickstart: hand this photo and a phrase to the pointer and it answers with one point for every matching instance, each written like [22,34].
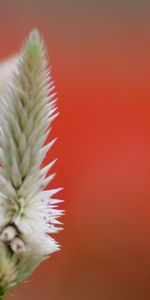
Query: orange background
[100,55]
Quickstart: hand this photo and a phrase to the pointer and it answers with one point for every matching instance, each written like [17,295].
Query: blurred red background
[99,51]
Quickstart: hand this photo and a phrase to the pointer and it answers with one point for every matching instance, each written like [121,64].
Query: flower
[28,213]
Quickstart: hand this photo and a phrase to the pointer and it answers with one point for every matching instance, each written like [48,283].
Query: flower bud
[17,245]
[8,234]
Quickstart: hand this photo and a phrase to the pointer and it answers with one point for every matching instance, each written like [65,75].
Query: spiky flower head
[28,212]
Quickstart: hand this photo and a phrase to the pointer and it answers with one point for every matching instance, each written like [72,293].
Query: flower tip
[35,45]
[34,35]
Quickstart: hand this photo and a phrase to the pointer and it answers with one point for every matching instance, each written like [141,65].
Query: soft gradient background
[100,54]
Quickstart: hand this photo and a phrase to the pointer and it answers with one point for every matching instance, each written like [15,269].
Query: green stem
[2,294]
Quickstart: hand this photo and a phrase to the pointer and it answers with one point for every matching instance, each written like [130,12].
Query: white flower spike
[28,213]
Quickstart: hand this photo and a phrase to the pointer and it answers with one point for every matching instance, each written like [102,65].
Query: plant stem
[2,294]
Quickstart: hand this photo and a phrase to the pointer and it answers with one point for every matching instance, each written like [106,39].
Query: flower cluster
[28,213]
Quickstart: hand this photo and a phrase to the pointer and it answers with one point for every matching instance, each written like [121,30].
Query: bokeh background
[100,56]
